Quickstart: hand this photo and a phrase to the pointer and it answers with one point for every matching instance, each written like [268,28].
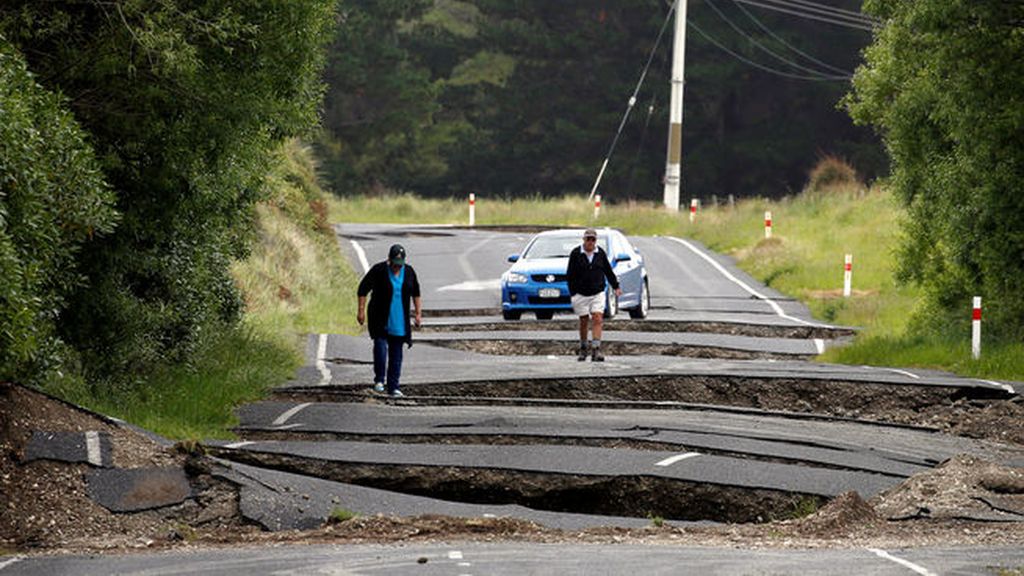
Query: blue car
[536,281]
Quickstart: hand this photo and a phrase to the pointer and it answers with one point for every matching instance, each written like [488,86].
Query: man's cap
[396,255]
[590,233]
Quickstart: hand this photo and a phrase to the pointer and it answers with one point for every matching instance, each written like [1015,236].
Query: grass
[811,234]
[294,282]
[339,515]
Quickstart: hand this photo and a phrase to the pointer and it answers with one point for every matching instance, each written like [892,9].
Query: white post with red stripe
[976,329]
[767,224]
[597,206]
[847,275]
[693,210]
[472,209]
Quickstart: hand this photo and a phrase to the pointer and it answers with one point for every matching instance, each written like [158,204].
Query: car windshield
[557,246]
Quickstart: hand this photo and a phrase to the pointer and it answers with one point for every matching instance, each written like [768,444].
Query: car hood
[541,266]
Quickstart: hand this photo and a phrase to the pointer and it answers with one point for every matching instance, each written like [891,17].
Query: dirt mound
[45,503]
[963,487]
[845,513]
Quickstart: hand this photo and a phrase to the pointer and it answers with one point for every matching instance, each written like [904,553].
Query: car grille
[559,300]
[544,277]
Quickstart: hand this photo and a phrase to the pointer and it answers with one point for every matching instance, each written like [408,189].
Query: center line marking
[321,351]
[290,412]
[237,445]
[455,555]
[906,564]
[92,448]
[673,459]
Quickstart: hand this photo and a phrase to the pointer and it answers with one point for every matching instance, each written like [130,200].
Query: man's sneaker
[597,356]
[378,388]
[397,394]
[583,354]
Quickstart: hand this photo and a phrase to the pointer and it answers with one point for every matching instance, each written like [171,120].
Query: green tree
[942,84]
[53,201]
[184,102]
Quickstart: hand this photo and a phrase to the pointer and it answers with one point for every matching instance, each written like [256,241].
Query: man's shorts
[587,305]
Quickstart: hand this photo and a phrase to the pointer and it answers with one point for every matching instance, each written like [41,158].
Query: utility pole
[673,168]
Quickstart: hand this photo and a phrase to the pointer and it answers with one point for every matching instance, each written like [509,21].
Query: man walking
[588,267]
[392,283]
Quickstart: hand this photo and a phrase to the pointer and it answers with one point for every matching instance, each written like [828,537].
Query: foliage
[831,172]
[942,85]
[53,203]
[513,99]
[184,104]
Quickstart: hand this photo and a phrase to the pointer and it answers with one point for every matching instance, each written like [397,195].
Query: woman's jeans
[387,358]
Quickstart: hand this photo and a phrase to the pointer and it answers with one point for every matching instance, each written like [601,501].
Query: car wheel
[511,315]
[613,305]
[645,303]
[545,314]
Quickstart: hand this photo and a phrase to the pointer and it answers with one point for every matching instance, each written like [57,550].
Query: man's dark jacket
[587,278]
[377,281]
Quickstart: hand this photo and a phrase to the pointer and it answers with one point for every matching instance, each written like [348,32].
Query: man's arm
[418,319]
[361,310]
[609,273]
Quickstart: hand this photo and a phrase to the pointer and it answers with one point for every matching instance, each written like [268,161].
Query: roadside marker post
[597,206]
[976,329]
[767,224]
[472,209]
[847,275]
[693,210]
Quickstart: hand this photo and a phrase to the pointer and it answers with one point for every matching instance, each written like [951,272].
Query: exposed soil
[510,347]
[43,506]
[983,414]
[627,325]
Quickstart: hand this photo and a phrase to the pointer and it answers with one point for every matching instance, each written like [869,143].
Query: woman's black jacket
[377,281]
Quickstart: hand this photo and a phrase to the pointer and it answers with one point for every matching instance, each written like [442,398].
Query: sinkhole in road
[656,326]
[627,496]
[966,411]
[515,347]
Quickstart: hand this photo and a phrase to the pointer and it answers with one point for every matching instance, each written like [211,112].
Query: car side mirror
[622,258]
[513,258]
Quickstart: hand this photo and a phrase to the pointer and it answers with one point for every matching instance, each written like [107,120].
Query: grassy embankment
[804,258]
[294,282]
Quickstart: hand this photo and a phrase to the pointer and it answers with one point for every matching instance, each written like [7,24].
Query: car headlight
[515,278]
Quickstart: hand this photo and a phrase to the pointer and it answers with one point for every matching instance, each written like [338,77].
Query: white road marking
[92,448]
[290,412]
[464,258]
[896,370]
[288,426]
[361,254]
[673,459]
[820,345]
[455,555]
[906,564]
[321,351]
[778,309]
[473,285]
[1006,387]
[464,564]
[9,561]
[236,445]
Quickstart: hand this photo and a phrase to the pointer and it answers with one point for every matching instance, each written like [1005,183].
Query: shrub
[831,172]
[53,201]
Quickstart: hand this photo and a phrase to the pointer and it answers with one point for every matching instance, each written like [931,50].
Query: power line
[824,8]
[632,98]
[795,10]
[771,53]
[782,41]
[758,65]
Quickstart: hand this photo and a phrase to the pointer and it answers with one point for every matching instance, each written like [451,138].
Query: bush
[831,172]
[53,201]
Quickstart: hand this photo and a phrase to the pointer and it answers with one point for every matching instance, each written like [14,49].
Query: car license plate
[549,293]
